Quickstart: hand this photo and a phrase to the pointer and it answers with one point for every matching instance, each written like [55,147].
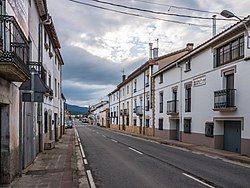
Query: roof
[58,52]
[50,28]
[212,41]
[42,7]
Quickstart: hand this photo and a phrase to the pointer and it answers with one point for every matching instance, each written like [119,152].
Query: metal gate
[232,136]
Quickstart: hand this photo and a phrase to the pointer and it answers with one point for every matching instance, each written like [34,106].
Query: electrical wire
[178,7]
[139,15]
[162,13]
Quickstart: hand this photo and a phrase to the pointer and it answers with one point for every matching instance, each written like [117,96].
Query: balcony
[138,111]
[172,107]
[39,68]
[125,112]
[13,51]
[224,100]
[121,112]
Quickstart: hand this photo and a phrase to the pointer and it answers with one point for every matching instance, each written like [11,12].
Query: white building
[24,66]
[131,106]
[99,114]
[203,97]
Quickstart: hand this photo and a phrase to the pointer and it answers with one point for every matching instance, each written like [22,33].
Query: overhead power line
[159,12]
[139,15]
[178,7]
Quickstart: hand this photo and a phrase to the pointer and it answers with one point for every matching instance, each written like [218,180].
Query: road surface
[118,160]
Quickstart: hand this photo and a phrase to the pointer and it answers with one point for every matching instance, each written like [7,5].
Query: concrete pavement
[56,168]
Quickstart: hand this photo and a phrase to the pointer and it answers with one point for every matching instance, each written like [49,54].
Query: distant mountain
[76,110]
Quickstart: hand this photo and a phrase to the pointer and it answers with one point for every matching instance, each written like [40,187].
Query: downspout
[119,108]
[144,119]
[180,103]
[20,135]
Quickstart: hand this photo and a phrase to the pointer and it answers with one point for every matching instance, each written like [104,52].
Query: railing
[139,111]
[14,44]
[39,68]
[172,107]
[224,98]
[125,112]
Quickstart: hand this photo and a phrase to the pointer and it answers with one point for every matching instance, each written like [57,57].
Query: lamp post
[228,14]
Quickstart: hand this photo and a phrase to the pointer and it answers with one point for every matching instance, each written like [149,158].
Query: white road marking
[104,136]
[97,132]
[135,150]
[85,161]
[198,180]
[83,154]
[114,140]
[91,180]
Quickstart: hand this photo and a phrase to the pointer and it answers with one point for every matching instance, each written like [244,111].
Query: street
[118,160]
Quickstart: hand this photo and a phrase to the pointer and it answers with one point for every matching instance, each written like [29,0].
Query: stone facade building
[30,69]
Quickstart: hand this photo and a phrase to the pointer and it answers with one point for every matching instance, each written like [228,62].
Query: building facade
[132,102]
[24,88]
[202,97]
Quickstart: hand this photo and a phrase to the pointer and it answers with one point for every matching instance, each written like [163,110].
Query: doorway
[232,136]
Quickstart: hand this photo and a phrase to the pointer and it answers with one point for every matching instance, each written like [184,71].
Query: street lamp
[228,14]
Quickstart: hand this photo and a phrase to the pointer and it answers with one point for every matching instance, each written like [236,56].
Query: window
[55,87]
[135,83]
[188,99]
[161,79]
[160,124]
[187,125]
[188,66]
[58,90]
[135,103]
[161,102]
[147,123]
[229,52]
[50,81]
[123,91]
[147,81]
[147,104]
[127,89]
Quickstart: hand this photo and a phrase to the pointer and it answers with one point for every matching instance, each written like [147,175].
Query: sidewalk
[201,149]
[53,168]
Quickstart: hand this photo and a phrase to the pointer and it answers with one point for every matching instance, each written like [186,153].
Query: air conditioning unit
[209,129]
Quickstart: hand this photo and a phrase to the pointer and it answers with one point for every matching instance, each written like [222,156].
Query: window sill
[187,70]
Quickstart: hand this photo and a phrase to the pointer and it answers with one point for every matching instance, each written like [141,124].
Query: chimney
[123,77]
[150,50]
[155,53]
[190,46]
[214,25]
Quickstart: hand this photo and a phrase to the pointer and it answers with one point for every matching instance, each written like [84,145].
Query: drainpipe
[144,119]
[180,103]
[20,135]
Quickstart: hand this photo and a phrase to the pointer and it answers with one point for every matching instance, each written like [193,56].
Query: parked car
[69,125]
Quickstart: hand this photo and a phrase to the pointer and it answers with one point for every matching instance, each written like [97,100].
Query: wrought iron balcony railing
[13,50]
[224,100]
[172,107]
[138,111]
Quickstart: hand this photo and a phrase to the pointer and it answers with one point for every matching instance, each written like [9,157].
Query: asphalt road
[118,160]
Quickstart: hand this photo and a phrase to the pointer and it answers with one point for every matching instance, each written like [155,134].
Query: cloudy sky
[98,44]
